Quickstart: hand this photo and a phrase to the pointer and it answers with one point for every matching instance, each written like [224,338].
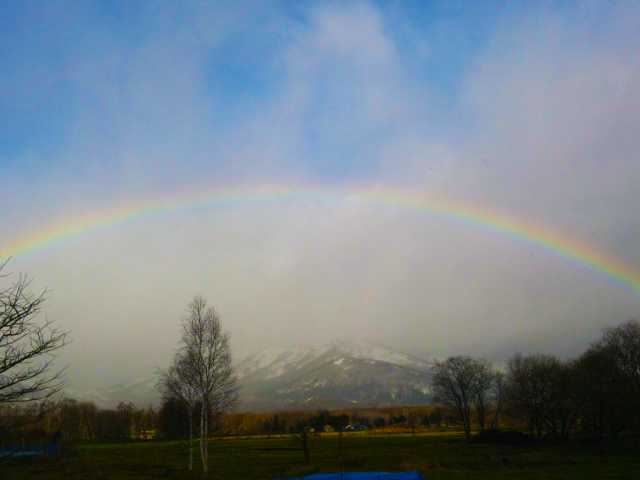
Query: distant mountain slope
[335,375]
[142,393]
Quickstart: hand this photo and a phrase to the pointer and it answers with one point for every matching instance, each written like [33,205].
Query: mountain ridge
[334,375]
[340,374]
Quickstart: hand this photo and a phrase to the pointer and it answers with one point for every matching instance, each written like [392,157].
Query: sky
[440,177]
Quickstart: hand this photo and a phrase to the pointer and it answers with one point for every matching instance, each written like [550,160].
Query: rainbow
[475,216]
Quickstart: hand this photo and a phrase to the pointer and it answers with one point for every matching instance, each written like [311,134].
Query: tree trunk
[203,440]
[191,438]
[206,440]
[466,420]
[481,416]
[305,448]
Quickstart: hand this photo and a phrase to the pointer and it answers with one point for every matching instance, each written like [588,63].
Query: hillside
[335,375]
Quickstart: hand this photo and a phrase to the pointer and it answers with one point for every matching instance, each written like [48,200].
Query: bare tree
[453,383]
[499,389]
[305,440]
[609,384]
[564,399]
[27,347]
[412,422]
[124,413]
[210,373]
[624,344]
[529,388]
[481,386]
[178,382]
[544,392]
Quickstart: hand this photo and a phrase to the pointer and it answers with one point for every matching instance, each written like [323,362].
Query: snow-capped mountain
[335,375]
[275,360]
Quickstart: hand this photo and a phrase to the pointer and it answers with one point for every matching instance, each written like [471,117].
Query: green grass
[435,456]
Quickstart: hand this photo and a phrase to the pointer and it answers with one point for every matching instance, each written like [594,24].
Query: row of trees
[73,422]
[599,391]
[173,420]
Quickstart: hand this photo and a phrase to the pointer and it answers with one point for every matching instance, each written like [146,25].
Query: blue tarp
[29,450]
[363,476]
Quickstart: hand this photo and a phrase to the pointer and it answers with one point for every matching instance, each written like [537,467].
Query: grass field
[435,456]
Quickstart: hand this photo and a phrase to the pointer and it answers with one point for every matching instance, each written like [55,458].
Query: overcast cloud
[530,113]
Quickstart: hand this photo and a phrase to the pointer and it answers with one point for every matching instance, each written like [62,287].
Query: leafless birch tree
[206,346]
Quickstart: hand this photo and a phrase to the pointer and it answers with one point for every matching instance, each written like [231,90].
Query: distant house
[355,428]
[147,434]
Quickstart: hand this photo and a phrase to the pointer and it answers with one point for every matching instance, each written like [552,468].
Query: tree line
[173,420]
[78,422]
[597,393]
[70,422]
